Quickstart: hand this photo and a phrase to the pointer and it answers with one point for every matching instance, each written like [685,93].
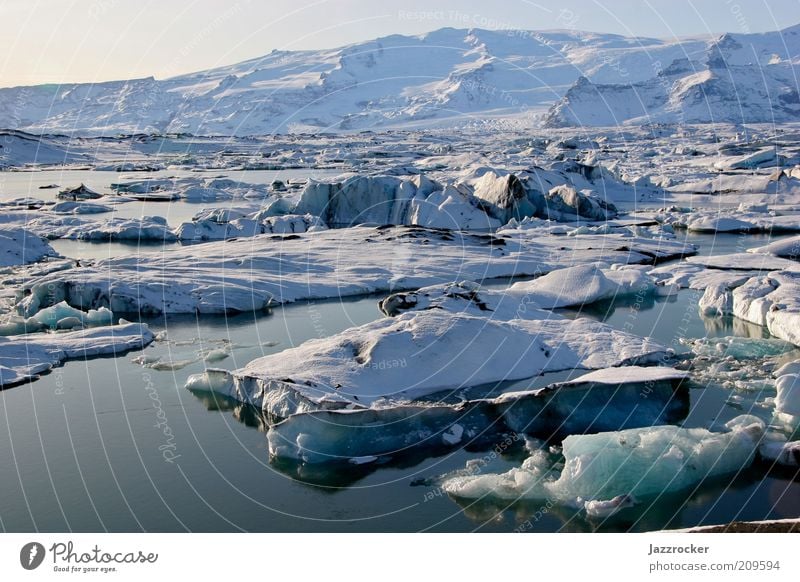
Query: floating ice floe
[636,463]
[18,246]
[611,399]
[24,357]
[252,274]
[421,353]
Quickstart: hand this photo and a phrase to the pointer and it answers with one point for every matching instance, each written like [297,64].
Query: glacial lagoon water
[107,444]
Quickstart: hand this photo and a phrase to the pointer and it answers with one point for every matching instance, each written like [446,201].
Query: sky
[60,41]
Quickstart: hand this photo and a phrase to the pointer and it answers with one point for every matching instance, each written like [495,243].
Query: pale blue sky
[95,40]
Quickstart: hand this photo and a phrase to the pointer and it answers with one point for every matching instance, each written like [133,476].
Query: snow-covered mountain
[748,78]
[446,77]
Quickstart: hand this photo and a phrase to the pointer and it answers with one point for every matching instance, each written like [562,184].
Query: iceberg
[788,248]
[584,284]
[787,400]
[568,287]
[639,463]
[419,354]
[69,207]
[54,316]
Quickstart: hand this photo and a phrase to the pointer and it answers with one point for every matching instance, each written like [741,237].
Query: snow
[24,357]
[19,246]
[612,469]
[418,354]
[251,274]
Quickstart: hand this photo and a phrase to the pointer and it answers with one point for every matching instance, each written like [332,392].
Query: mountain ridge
[445,77]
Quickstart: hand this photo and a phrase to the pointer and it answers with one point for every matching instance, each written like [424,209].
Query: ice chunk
[573,286]
[603,509]
[81,192]
[607,399]
[52,316]
[209,229]
[564,201]
[147,228]
[24,357]
[420,353]
[788,248]
[466,297]
[642,463]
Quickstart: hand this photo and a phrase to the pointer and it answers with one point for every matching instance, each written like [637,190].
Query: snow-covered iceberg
[419,354]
